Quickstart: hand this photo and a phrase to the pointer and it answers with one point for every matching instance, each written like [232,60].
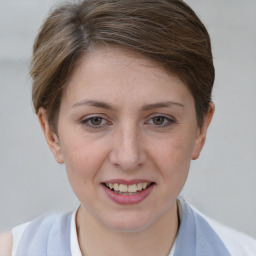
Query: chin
[128,223]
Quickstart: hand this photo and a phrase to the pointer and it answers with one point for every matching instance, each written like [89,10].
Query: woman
[122,90]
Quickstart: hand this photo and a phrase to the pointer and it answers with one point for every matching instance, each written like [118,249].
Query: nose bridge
[128,152]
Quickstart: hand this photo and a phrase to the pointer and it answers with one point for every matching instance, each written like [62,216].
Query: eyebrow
[100,104]
[93,103]
[166,104]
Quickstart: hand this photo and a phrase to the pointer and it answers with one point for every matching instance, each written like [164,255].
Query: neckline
[74,244]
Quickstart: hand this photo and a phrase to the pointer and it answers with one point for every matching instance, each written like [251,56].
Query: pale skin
[123,117]
[6,244]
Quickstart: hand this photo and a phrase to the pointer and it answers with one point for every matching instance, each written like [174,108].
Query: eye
[95,122]
[160,121]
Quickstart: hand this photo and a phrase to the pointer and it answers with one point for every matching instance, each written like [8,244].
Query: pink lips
[127,199]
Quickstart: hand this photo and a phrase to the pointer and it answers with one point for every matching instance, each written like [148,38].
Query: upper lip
[127,182]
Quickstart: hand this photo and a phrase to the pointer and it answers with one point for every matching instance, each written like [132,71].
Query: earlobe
[201,136]
[51,137]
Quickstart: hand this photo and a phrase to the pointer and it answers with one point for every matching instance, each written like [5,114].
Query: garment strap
[47,236]
[196,237]
[50,236]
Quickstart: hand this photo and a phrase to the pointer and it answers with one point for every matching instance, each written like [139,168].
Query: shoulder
[49,232]
[237,243]
[17,233]
[38,228]
[6,244]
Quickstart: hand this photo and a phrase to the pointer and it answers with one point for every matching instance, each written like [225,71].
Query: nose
[127,152]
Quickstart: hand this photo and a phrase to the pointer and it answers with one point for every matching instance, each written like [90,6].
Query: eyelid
[169,118]
[161,115]
[87,118]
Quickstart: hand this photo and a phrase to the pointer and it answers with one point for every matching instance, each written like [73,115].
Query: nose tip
[127,163]
[128,153]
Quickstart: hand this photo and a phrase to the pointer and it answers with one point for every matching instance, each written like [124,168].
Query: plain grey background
[221,183]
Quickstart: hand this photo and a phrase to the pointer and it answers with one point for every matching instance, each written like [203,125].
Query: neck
[96,239]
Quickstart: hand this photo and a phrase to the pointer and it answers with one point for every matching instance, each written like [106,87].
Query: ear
[51,138]
[201,135]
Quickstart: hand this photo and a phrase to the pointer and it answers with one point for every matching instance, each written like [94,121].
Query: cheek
[174,151]
[83,159]
[172,158]
[82,165]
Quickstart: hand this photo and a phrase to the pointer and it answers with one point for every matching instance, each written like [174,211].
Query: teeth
[144,185]
[116,187]
[127,188]
[132,188]
[139,186]
[123,188]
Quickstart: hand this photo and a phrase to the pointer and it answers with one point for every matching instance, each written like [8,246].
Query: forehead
[114,74]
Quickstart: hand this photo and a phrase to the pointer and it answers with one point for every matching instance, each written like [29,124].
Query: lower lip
[128,199]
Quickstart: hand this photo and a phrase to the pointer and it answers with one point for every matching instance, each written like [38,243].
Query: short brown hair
[165,31]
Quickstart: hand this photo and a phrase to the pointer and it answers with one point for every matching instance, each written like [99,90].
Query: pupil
[158,120]
[96,121]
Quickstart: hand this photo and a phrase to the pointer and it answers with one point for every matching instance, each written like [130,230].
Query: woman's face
[127,132]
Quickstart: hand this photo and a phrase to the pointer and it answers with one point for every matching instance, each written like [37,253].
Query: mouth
[129,190]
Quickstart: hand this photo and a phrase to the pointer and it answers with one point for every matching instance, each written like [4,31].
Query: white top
[237,243]
[74,245]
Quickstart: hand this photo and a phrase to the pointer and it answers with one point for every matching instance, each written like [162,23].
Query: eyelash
[88,122]
[167,121]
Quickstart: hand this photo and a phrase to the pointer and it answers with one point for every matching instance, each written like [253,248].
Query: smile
[124,189]
[128,192]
